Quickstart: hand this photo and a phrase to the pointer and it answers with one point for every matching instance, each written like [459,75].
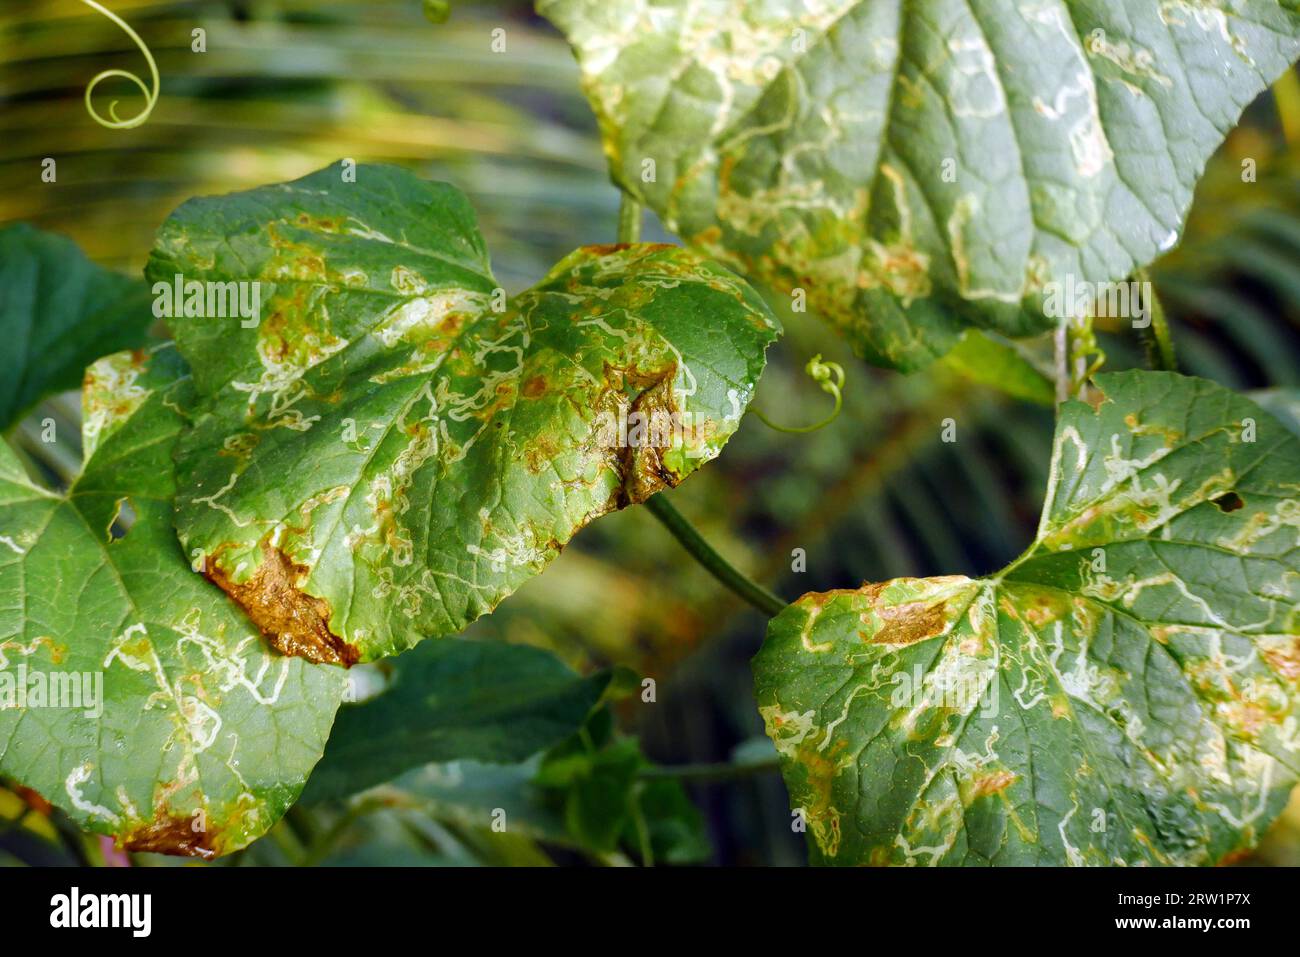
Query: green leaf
[596,787]
[595,778]
[920,168]
[176,731]
[453,700]
[387,456]
[1125,692]
[674,826]
[563,798]
[58,313]
[467,793]
[999,365]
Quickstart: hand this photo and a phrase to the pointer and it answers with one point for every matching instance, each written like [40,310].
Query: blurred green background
[287,86]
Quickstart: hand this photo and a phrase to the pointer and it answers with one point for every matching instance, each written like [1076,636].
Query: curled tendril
[150,95]
[828,375]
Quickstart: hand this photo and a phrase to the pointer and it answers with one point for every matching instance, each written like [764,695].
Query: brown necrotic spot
[652,417]
[912,622]
[1285,658]
[994,783]
[171,835]
[293,622]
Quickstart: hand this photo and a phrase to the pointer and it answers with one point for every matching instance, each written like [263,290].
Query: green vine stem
[150,94]
[704,553]
[1077,357]
[1156,337]
[1061,361]
[629,220]
[828,375]
[629,231]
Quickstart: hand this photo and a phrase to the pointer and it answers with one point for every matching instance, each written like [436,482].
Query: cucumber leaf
[58,313]
[133,694]
[1126,692]
[919,168]
[455,700]
[392,446]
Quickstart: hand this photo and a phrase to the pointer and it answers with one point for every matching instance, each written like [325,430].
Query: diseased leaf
[58,313]
[1125,692]
[455,700]
[162,719]
[917,168]
[395,448]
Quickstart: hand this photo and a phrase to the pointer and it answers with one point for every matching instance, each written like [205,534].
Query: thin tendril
[830,376]
[150,96]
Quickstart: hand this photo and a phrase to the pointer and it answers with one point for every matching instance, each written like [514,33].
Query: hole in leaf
[1229,502]
[122,521]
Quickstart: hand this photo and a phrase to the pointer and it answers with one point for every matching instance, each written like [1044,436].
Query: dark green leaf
[58,313]
[453,700]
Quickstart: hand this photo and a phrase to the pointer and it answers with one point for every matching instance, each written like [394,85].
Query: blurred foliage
[287,86]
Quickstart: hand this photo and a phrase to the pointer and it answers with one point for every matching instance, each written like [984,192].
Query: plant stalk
[704,553]
[629,231]
[1061,361]
[629,220]
[1156,337]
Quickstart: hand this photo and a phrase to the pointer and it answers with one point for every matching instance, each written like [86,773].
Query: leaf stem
[723,771]
[642,831]
[629,219]
[1061,363]
[1155,336]
[629,231]
[704,553]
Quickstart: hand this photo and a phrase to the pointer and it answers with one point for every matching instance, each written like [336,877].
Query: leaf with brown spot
[420,454]
[197,737]
[919,169]
[1136,667]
